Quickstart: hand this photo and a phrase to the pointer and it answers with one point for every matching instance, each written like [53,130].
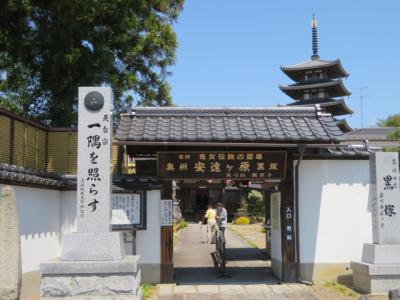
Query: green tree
[392,121]
[49,48]
[255,203]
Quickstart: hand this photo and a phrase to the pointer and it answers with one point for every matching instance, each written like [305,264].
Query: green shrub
[242,221]
[147,290]
[182,224]
[255,205]
[260,219]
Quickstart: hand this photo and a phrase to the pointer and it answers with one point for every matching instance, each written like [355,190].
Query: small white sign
[125,209]
[166,213]
[276,211]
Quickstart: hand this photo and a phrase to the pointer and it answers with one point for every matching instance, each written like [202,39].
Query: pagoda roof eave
[343,125]
[295,71]
[336,107]
[295,91]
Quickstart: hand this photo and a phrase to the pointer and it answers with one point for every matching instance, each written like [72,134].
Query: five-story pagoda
[319,82]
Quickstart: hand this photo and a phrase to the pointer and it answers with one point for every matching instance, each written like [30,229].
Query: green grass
[340,289]
[251,244]
[147,290]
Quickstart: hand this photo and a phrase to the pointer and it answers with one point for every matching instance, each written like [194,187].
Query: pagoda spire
[315,55]
[318,82]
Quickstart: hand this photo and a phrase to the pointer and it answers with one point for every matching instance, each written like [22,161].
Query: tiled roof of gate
[233,125]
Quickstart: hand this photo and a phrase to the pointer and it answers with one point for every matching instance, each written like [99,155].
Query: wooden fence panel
[41,149]
[30,147]
[58,160]
[5,139]
[19,143]
[73,152]
[52,150]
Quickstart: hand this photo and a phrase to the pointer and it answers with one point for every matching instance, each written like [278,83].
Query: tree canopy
[392,121]
[50,48]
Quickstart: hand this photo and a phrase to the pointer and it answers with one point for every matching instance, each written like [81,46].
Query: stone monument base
[381,254]
[92,246]
[118,279]
[379,269]
[375,278]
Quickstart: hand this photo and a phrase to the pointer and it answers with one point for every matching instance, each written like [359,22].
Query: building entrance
[246,261]
[195,197]
[202,199]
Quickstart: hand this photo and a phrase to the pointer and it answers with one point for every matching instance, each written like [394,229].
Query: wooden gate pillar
[167,264]
[288,232]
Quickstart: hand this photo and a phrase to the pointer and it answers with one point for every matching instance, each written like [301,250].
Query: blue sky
[230,51]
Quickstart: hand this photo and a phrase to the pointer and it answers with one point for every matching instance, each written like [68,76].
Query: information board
[166,213]
[126,209]
[276,211]
[251,165]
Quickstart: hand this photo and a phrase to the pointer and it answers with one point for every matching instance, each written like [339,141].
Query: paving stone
[165,297]
[208,289]
[309,296]
[232,289]
[257,288]
[255,296]
[165,289]
[185,289]
[198,297]
[280,289]
[296,286]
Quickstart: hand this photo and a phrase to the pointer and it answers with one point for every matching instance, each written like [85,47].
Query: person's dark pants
[223,231]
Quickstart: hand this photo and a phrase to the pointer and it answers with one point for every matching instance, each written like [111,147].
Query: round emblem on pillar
[94,101]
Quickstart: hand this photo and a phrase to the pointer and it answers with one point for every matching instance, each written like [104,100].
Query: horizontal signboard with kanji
[249,165]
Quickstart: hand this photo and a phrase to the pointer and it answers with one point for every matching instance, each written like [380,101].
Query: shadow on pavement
[211,275]
[242,254]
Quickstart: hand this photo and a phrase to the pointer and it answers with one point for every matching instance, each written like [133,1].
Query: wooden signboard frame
[222,165]
[143,212]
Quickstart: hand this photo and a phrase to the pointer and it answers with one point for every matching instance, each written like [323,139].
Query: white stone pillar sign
[386,197]
[94,239]
[93,263]
[94,159]
[379,268]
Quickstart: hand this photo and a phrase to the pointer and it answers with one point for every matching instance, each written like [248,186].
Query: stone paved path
[248,292]
[193,262]
[230,291]
[250,274]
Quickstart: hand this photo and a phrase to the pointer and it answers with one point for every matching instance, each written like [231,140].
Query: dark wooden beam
[288,234]
[167,258]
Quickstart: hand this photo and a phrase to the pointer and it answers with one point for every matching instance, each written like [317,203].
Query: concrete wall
[39,217]
[148,241]
[68,212]
[47,215]
[334,217]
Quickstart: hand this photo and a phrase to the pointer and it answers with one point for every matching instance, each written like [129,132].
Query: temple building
[319,82]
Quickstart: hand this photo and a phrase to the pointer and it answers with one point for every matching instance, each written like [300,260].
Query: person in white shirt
[222,217]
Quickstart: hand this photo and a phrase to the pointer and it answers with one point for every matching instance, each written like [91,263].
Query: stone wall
[125,286]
